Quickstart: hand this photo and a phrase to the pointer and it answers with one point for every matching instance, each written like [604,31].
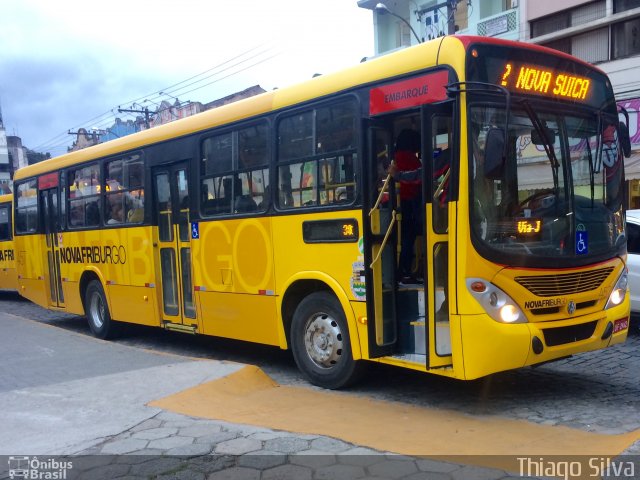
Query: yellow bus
[273,220]
[8,275]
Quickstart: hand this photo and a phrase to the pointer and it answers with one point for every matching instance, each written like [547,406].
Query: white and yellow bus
[272,219]
[8,275]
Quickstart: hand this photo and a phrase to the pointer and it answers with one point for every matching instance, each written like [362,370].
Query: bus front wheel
[320,342]
[97,311]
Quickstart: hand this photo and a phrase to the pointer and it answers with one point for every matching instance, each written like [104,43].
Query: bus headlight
[498,305]
[509,313]
[619,291]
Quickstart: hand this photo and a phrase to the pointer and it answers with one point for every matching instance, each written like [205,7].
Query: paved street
[64,392]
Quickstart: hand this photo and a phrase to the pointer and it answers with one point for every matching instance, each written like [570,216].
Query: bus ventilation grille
[567,284]
[570,334]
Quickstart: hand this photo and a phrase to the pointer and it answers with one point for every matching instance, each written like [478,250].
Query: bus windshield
[556,198]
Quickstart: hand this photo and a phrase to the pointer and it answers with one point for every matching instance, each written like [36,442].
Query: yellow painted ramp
[250,397]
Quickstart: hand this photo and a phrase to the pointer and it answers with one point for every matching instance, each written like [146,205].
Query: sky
[69,64]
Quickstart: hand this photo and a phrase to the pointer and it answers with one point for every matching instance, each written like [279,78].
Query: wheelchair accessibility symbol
[195,231]
[582,243]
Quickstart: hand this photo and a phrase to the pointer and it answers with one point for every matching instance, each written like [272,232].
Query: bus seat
[92,214]
[215,206]
[135,215]
[245,203]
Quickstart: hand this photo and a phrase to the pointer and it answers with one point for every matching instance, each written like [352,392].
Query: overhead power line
[171,90]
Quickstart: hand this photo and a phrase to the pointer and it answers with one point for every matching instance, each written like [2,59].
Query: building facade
[120,128]
[5,163]
[17,153]
[605,33]
[393,28]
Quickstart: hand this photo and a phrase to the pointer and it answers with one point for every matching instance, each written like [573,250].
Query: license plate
[621,324]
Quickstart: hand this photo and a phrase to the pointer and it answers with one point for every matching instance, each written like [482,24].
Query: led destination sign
[529,226]
[544,81]
[529,229]
[537,71]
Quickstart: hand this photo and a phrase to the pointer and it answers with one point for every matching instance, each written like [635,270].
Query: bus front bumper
[490,347]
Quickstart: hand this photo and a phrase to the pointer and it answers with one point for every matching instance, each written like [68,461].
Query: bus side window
[92,212]
[441,142]
[5,231]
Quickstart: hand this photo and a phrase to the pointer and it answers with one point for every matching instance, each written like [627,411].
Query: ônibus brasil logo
[38,469]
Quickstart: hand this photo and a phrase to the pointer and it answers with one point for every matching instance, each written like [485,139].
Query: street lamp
[381,9]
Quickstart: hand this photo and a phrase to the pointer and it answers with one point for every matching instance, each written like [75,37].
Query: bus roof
[467,40]
[6,198]
[401,62]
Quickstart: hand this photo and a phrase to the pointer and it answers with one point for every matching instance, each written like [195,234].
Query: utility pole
[451,21]
[145,111]
[451,8]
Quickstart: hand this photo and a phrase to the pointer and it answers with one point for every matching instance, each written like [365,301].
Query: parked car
[633,262]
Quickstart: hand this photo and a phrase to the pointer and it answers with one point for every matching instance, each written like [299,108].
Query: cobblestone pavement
[172,446]
[595,392]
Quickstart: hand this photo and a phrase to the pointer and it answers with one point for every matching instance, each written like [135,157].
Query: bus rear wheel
[97,312]
[320,342]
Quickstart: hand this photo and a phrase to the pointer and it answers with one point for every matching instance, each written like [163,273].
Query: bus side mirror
[537,139]
[494,154]
[625,140]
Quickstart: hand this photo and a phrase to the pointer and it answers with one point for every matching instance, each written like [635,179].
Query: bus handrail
[385,185]
[384,240]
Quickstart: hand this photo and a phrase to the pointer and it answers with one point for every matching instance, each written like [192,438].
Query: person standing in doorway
[407,158]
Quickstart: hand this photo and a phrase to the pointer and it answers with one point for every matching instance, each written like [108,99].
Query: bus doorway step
[180,327]
[417,358]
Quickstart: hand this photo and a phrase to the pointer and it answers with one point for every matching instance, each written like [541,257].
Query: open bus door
[49,191]
[172,240]
[410,321]
[382,244]
[437,121]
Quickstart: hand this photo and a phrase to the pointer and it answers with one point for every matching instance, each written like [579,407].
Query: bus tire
[320,342]
[97,312]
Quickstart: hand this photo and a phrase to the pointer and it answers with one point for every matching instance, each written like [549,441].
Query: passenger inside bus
[92,213]
[242,203]
[116,214]
[407,158]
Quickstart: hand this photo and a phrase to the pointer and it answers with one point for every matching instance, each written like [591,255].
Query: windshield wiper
[591,173]
[546,142]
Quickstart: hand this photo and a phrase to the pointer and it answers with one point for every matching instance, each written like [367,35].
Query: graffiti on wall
[632,106]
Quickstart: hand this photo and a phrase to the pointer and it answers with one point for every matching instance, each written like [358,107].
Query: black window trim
[351,95]
[7,206]
[16,187]
[233,129]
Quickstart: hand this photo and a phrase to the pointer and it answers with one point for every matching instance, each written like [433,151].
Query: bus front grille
[565,284]
[574,333]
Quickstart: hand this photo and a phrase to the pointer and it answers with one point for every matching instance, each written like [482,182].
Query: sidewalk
[172,446]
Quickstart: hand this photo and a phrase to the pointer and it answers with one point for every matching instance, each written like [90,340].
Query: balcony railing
[498,25]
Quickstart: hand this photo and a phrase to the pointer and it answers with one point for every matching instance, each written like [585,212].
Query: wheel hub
[323,340]
[97,311]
